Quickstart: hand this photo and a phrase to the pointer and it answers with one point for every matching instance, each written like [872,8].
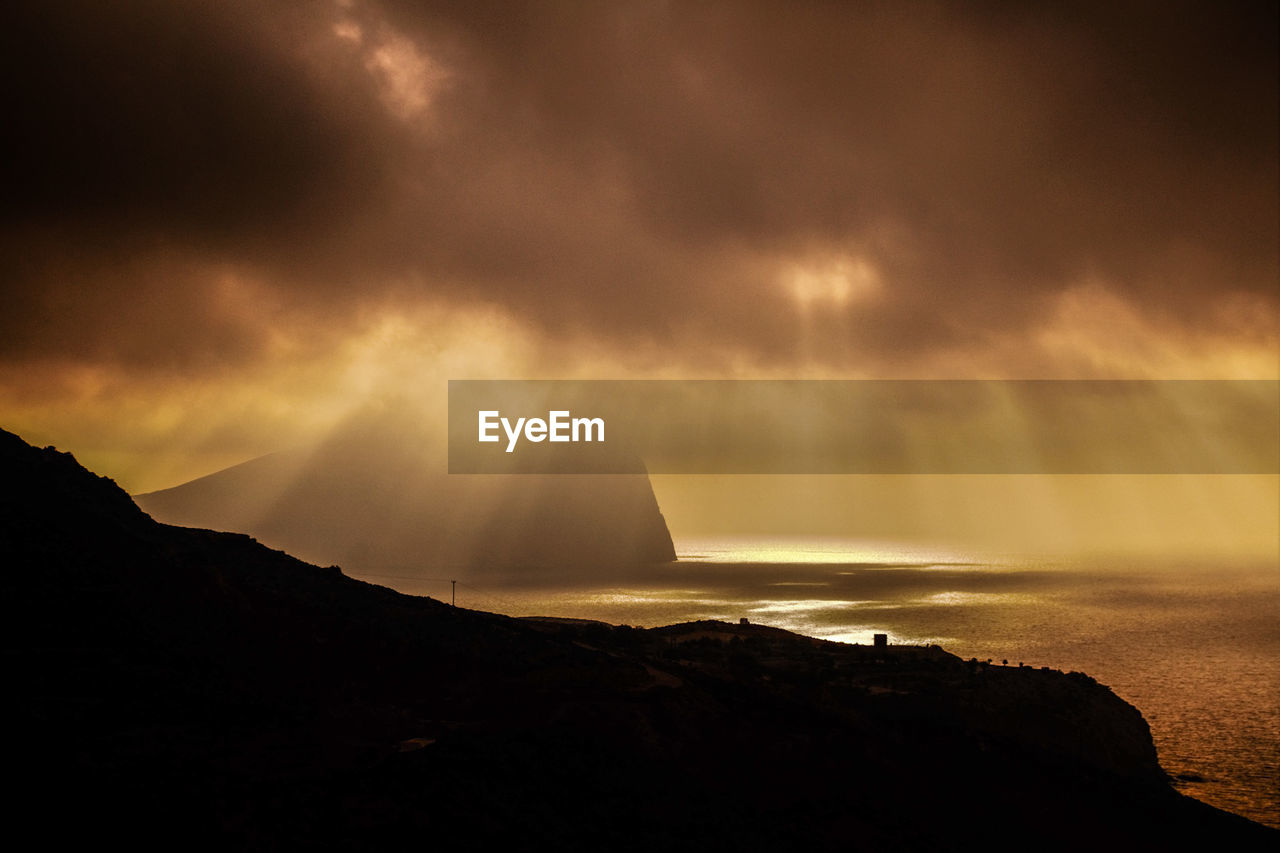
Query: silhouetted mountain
[374,499]
[171,688]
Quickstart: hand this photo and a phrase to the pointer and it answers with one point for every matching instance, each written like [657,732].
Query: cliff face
[188,688]
[376,500]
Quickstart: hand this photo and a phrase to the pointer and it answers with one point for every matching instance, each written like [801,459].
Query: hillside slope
[182,688]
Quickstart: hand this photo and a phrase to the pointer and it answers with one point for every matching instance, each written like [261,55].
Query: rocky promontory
[374,498]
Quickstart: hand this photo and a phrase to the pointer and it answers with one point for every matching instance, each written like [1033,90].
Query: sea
[1193,644]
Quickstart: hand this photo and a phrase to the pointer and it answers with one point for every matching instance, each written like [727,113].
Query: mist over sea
[1194,645]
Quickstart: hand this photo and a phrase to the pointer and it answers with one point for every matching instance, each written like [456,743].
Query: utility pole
[453,598]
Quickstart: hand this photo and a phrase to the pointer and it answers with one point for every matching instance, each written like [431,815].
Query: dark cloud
[189,116]
[643,170]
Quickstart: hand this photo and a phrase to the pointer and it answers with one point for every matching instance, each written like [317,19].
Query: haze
[232,228]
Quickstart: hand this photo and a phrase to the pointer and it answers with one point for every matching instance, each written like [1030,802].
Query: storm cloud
[929,174]
[935,172]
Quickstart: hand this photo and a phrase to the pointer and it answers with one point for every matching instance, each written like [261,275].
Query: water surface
[1195,646]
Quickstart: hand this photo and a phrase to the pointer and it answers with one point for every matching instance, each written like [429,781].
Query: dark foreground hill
[176,689]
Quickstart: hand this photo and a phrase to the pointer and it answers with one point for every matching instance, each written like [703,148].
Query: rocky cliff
[374,499]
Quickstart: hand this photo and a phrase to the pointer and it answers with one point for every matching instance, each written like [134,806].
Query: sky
[227,227]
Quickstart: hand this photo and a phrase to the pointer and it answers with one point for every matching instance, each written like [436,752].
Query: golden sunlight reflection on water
[750,549]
